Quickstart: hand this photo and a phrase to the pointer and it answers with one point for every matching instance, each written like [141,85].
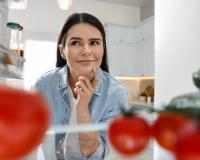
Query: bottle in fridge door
[14,41]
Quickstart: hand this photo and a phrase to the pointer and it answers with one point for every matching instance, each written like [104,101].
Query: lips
[85,61]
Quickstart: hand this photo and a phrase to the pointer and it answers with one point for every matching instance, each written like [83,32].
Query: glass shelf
[48,149]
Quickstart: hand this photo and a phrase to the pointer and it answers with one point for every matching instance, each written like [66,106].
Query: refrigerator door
[3,20]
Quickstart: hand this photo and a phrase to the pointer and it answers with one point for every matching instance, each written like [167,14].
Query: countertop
[139,103]
[141,111]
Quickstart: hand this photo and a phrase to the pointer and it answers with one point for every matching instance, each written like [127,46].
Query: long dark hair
[72,20]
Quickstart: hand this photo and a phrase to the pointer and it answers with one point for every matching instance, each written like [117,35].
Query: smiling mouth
[86,61]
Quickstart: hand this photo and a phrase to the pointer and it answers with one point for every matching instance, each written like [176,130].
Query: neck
[72,81]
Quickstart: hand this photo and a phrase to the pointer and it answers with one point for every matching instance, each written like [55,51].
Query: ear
[61,51]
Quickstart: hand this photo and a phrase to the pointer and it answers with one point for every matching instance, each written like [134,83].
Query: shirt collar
[64,76]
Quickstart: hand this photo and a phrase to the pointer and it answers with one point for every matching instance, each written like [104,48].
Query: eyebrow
[91,39]
[95,39]
[75,38]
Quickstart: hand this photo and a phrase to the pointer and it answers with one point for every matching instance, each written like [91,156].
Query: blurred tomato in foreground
[129,135]
[188,143]
[166,128]
[24,119]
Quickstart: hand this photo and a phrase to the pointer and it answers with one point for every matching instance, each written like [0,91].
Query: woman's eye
[75,43]
[94,43]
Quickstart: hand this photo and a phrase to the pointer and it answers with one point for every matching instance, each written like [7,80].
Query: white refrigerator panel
[3,20]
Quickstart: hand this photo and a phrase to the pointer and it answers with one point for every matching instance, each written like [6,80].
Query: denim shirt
[108,97]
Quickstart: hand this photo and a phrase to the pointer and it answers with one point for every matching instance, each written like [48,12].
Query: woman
[81,90]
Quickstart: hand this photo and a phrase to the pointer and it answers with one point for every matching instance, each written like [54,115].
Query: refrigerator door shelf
[11,65]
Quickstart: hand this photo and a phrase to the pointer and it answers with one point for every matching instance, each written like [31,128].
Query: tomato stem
[128,111]
[196,78]
[193,112]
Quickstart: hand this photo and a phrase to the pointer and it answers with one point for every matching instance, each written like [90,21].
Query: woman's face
[83,49]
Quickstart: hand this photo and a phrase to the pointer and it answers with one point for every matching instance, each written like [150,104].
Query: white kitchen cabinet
[113,33]
[149,58]
[145,30]
[145,45]
[145,51]
[131,49]
[118,33]
[127,34]
[122,61]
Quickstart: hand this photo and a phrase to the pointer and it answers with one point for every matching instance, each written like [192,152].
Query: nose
[87,50]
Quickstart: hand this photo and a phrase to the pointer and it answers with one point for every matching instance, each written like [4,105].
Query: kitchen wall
[136,85]
[45,16]
[177,51]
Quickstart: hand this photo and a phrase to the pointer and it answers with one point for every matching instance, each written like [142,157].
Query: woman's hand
[85,87]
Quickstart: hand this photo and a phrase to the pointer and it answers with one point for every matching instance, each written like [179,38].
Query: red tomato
[24,118]
[166,128]
[188,142]
[129,135]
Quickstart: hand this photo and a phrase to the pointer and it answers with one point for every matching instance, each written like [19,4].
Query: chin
[88,74]
[85,70]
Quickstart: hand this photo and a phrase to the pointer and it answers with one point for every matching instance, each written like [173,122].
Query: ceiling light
[64,4]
